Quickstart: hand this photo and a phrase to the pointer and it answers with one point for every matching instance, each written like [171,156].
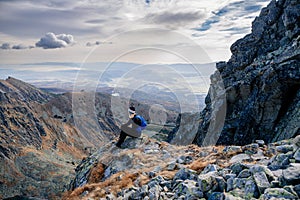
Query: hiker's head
[131,111]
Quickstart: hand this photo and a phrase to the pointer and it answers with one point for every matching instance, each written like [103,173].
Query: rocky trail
[148,169]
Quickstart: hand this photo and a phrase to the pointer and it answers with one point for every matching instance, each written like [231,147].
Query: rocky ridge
[149,169]
[256,94]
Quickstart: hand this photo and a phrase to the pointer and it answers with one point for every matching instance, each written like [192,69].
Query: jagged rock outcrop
[148,169]
[259,87]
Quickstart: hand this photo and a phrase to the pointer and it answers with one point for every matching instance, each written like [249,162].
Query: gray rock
[275,184]
[229,196]
[188,189]
[297,155]
[210,168]
[136,195]
[236,168]
[228,176]
[291,175]
[145,198]
[261,181]
[297,189]
[154,192]
[132,143]
[221,184]
[230,184]
[166,183]
[290,189]
[277,193]
[280,161]
[251,148]
[144,190]
[238,193]
[251,190]
[216,196]
[284,148]
[244,174]
[184,159]
[172,166]
[151,174]
[158,179]
[184,174]
[296,141]
[261,143]
[110,197]
[203,154]
[170,195]
[207,181]
[261,168]
[152,183]
[240,158]
[260,156]
[157,169]
[239,183]
[232,150]
[224,171]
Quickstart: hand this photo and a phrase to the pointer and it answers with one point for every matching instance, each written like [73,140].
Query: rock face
[259,87]
[147,169]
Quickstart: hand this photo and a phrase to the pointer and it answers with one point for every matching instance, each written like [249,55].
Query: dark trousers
[123,134]
[122,138]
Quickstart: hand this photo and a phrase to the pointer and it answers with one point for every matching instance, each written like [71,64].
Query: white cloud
[90,44]
[5,46]
[22,46]
[174,20]
[52,41]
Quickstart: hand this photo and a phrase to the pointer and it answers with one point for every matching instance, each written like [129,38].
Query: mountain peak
[20,90]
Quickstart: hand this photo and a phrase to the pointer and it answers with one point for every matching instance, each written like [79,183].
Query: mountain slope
[256,94]
[40,144]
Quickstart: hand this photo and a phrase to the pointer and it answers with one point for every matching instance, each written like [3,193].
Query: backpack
[143,123]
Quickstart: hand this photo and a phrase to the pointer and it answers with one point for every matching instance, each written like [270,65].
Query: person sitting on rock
[133,127]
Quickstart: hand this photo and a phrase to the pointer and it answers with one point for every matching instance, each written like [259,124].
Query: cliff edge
[257,91]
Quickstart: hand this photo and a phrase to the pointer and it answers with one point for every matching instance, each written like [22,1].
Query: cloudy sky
[66,31]
[171,43]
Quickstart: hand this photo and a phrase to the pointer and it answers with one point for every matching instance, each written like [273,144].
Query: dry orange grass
[215,156]
[199,165]
[114,184]
[65,148]
[168,174]
[97,173]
